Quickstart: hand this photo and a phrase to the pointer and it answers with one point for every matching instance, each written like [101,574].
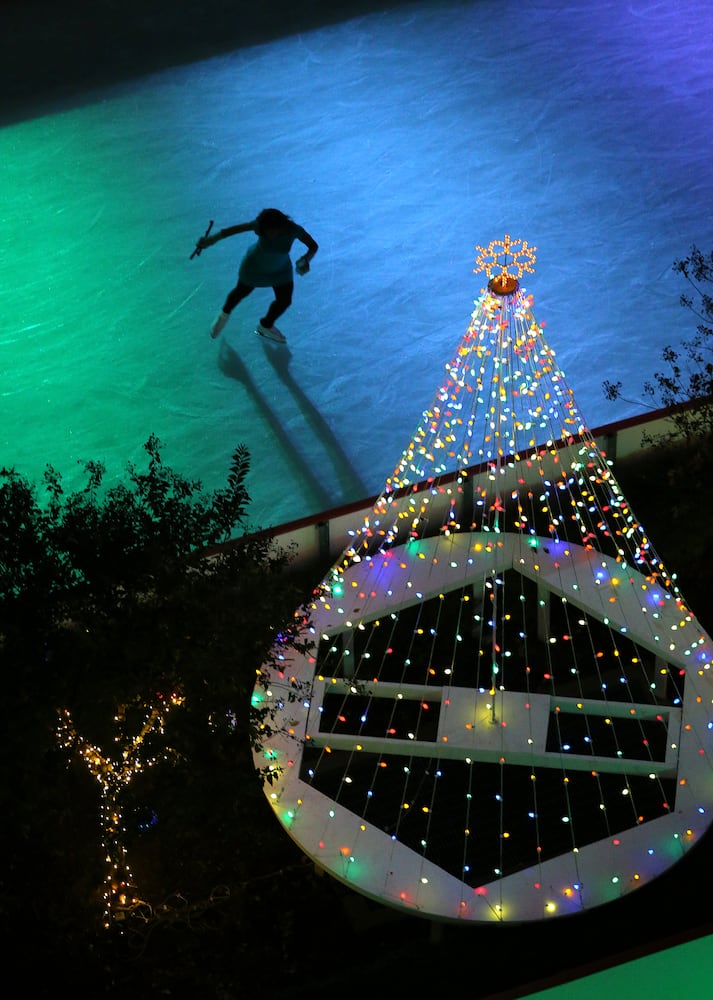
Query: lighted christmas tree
[511,708]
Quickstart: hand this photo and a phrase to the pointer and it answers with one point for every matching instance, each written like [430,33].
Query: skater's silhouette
[266,264]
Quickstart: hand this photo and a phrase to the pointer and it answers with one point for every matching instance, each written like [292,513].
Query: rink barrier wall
[318,540]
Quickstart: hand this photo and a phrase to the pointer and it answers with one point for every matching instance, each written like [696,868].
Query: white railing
[321,538]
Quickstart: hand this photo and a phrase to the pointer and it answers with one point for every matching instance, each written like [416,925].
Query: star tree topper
[504,261]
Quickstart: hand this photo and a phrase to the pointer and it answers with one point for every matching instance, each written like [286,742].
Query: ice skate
[271,333]
[218,324]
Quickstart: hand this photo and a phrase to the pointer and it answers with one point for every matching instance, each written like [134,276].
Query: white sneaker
[271,333]
[218,324]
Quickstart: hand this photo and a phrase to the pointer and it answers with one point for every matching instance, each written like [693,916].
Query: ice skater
[266,264]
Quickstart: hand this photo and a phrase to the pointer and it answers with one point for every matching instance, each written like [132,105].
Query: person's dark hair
[272,218]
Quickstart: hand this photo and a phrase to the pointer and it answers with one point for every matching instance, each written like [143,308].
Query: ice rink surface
[401,140]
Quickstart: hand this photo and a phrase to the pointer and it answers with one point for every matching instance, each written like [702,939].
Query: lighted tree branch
[113,777]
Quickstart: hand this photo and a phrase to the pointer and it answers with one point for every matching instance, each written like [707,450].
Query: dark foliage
[687,375]
[684,386]
[108,604]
